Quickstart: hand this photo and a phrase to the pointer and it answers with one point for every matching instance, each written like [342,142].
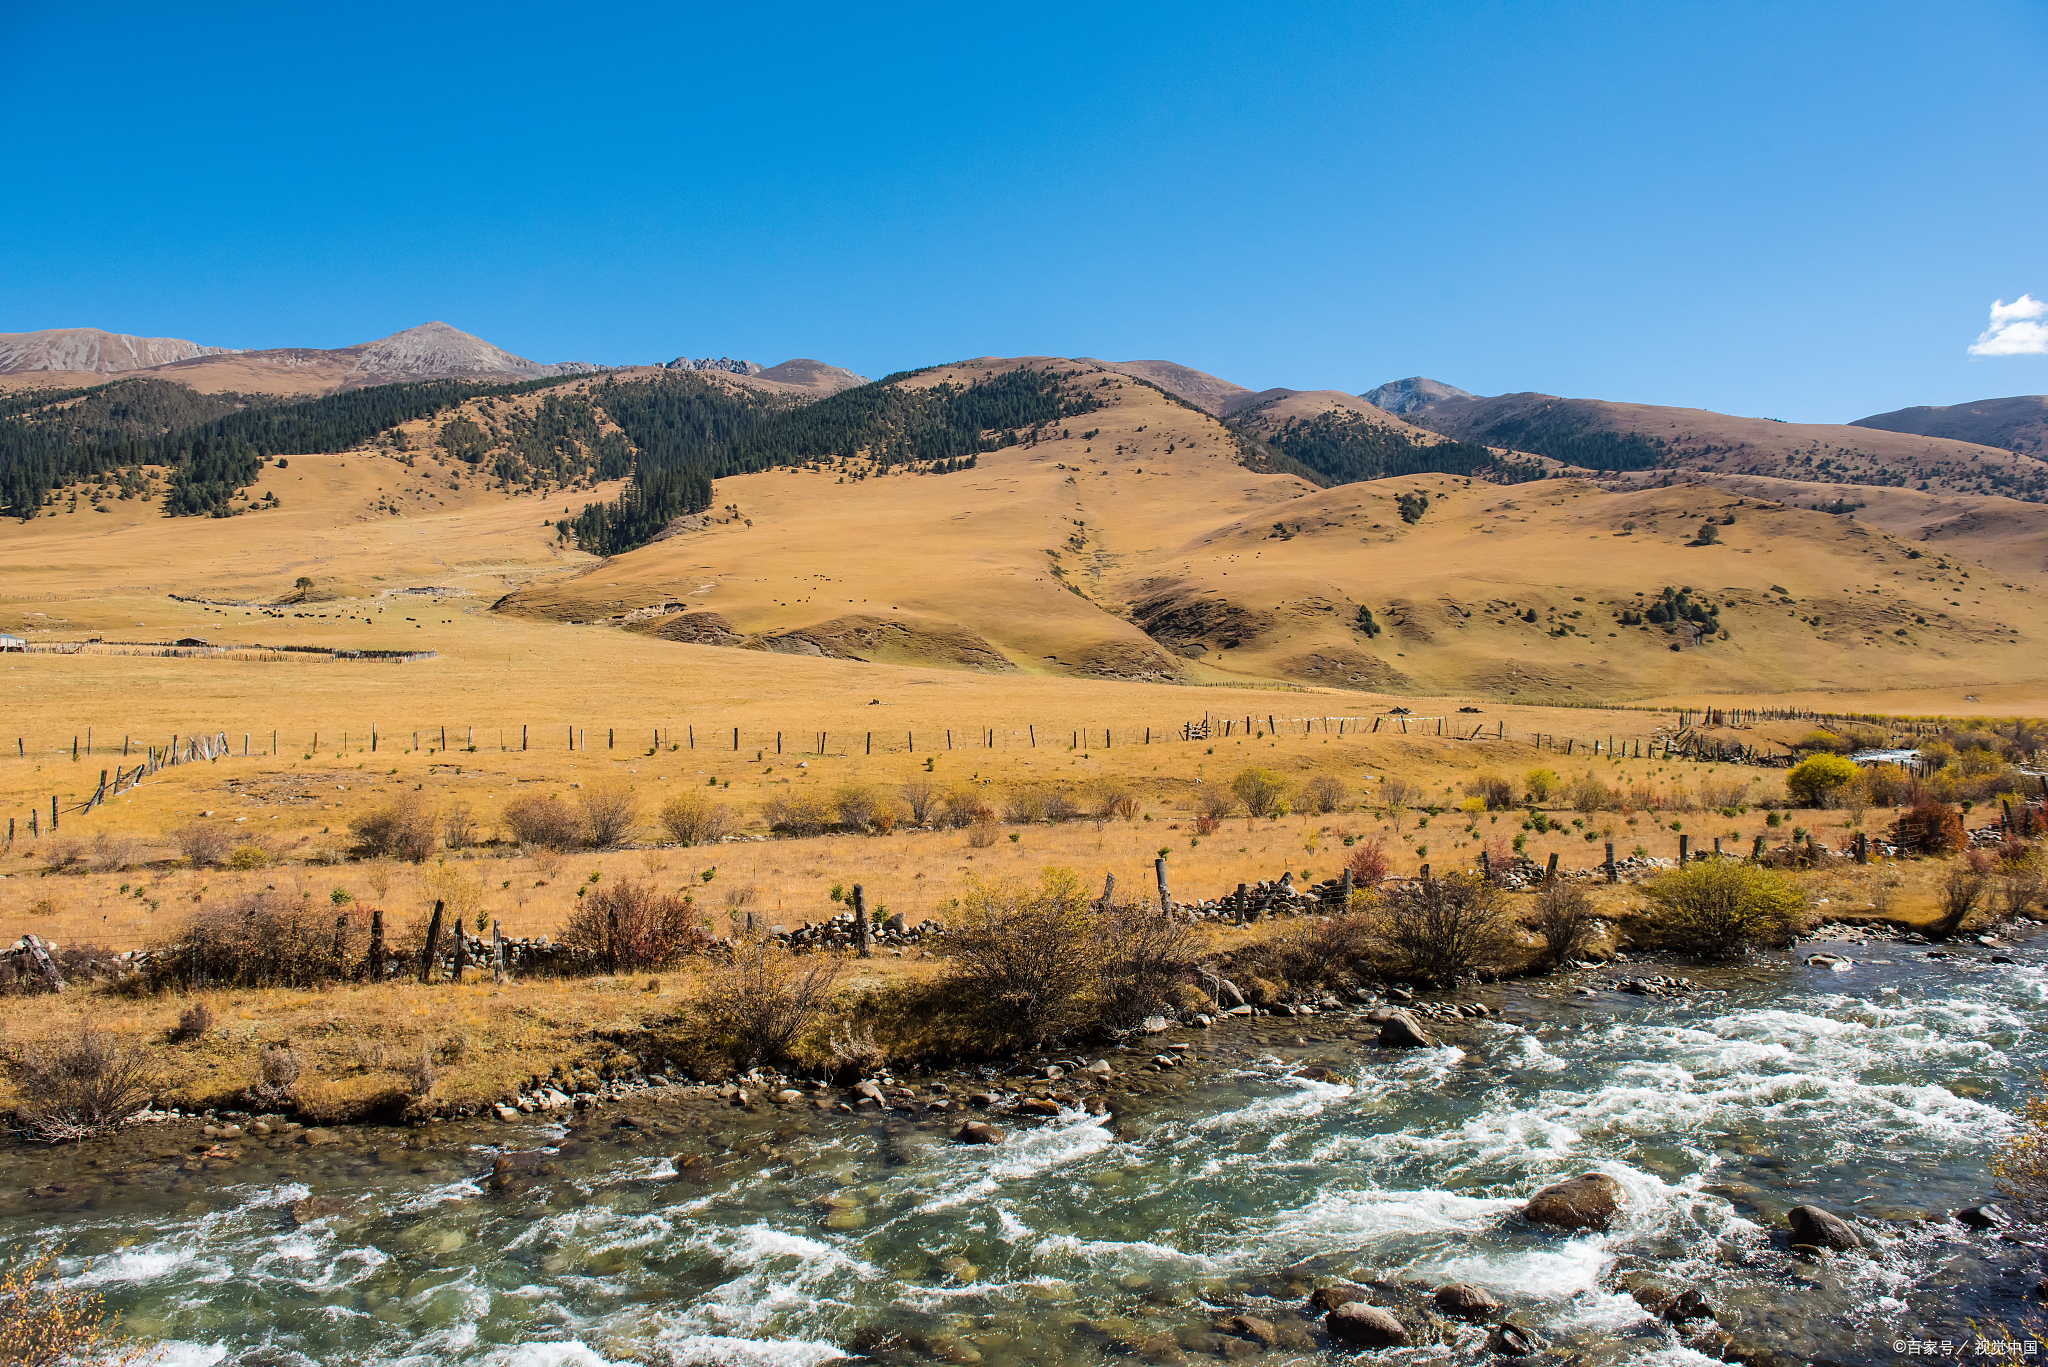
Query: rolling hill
[2018,424]
[1135,544]
[1647,438]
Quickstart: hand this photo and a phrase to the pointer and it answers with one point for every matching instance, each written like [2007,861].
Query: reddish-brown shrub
[626,927]
[1369,863]
[1928,827]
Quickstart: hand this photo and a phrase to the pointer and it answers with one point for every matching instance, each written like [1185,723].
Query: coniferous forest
[1344,448]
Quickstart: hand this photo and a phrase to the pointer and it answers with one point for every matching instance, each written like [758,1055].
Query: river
[1882,1092]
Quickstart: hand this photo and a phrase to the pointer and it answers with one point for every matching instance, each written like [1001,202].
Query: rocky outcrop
[91,349]
[1588,1201]
[1191,623]
[724,363]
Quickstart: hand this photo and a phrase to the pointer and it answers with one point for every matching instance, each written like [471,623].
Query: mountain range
[70,357]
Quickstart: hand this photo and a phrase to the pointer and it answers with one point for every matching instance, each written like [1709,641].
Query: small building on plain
[13,643]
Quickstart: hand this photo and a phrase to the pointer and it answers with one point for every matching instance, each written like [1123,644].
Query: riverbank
[400,1050]
[1284,1155]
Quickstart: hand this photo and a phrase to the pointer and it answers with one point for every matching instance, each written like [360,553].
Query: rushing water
[1881,1092]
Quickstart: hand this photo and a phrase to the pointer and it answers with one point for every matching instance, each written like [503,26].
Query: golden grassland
[1039,553]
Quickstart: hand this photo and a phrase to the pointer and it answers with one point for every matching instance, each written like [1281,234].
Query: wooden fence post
[433,945]
[498,950]
[1165,893]
[1613,873]
[860,921]
[373,966]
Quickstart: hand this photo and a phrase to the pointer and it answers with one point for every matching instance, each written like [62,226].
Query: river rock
[1588,1201]
[1673,1304]
[1366,1326]
[1465,1301]
[1821,1229]
[979,1132]
[1100,1068]
[1251,1327]
[1318,1073]
[1399,1031]
[1511,1340]
[1983,1217]
[317,1136]
[1156,1025]
[1038,1105]
[311,1208]
[1334,1295]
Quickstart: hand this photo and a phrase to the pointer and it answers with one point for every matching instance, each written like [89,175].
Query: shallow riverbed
[1229,1188]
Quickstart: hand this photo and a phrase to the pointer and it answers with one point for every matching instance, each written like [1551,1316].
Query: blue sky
[1786,210]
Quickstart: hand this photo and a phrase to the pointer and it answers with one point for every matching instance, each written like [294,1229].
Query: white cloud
[2015,329]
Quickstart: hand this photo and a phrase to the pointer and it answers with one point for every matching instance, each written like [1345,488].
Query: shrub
[1028,954]
[205,843]
[1115,798]
[982,834]
[458,827]
[1024,806]
[1589,794]
[541,820]
[1214,803]
[609,811]
[80,1087]
[1323,794]
[113,853]
[690,818]
[1494,791]
[2019,878]
[799,813]
[1060,805]
[1317,954]
[44,1325]
[627,927]
[1438,929]
[1722,910]
[1564,918]
[1824,742]
[1960,893]
[1260,790]
[402,829]
[1818,780]
[248,857]
[278,1071]
[921,796]
[268,940]
[193,1022]
[1144,955]
[1927,828]
[753,1009]
[1540,783]
[2022,1169]
[857,805]
[966,805]
[1369,862]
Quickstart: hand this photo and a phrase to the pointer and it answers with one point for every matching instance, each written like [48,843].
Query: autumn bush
[1369,862]
[1721,909]
[1563,916]
[754,1008]
[1262,791]
[1324,794]
[267,939]
[691,818]
[206,844]
[402,828]
[79,1086]
[800,812]
[1441,928]
[45,1324]
[1928,828]
[542,821]
[629,927]
[610,811]
[1819,780]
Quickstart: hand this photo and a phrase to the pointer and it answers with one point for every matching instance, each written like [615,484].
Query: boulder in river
[1511,1340]
[1366,1326]
[1983,1217]
[1588,1201]
[310,1208]
[1399,1031]
[1330,1297]
[1819,1228]
[1465,1301]
[980,1132]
